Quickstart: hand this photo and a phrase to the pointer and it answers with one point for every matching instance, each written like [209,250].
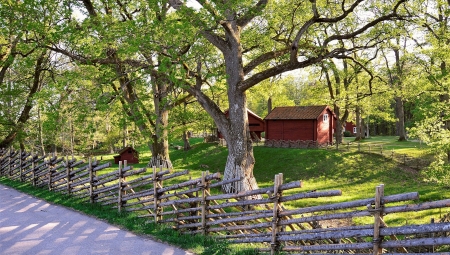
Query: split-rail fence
[257,217]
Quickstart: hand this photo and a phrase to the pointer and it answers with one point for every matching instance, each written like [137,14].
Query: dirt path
[32,226]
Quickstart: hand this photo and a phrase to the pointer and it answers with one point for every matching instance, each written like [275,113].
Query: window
[354,130]
[325,117]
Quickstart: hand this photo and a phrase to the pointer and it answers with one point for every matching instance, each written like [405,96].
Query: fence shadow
[32,226]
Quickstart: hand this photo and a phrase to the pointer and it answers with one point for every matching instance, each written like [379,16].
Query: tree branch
[263,58]
[243,21]
[367,26]
[216,40]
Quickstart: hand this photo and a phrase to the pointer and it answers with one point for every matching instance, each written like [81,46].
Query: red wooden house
[350,127]
[256,124]
[305,123]
[129,154]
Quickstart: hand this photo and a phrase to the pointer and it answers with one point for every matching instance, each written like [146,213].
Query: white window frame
[354,130]
[325,117]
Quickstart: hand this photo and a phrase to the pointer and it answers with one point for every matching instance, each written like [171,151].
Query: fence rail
[257,216]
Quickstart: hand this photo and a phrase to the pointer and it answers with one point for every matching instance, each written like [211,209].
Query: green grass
[355,174]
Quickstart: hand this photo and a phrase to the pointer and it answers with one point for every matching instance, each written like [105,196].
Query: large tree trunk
[41,135]
[358,124]
[160,143]
[445,98]
[399,109]
[185,136]
[187,145]
[400,113]
[235,129]
[338,132]
[160,146]
[240,160]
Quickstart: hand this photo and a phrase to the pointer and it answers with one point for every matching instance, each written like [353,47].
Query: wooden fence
[256,217]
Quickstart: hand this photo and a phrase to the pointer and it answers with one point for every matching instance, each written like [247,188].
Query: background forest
[97,75]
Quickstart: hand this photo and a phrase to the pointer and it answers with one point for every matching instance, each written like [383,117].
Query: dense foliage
[79,76]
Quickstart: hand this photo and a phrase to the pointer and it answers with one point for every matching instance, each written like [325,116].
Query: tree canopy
[78,75]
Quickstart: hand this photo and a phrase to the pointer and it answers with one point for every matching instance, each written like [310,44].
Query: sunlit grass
[354,173]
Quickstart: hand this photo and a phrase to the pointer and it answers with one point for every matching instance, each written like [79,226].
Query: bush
[347,133]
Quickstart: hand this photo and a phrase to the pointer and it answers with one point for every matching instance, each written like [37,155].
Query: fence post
[20,166]
[432,235]
[9,163]
[204,203]
[156,186]
[33,170]
[2,159]
[68,175]
[119,195]
[91,181]
[378,216]
[278,181]
[359,146]
[49,172]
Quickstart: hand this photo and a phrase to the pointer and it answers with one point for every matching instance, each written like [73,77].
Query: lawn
[355,173]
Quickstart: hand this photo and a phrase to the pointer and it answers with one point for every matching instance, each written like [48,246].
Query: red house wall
[325,129]
[255,124]
[349,127]
[290,129]
[315,130]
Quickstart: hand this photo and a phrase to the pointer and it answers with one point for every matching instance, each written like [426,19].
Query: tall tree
[436,20]
[126,38]
[24,61]
[286,40]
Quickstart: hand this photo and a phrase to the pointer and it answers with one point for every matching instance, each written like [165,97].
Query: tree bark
[399,108]
[187,145]
[240,160]
[358,123]
[338,133]
[235,129]
[25,114]
[41,135]
[160,145]
[445,98]
[400,113]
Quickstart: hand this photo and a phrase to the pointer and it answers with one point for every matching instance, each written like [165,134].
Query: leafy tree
[276,91]
[435,119]
[260,40]
[127,39]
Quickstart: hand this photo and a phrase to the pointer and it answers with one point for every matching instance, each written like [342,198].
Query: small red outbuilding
[129,154]
[304,123]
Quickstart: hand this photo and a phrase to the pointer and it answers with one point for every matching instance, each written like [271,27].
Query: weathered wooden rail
[257,217]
